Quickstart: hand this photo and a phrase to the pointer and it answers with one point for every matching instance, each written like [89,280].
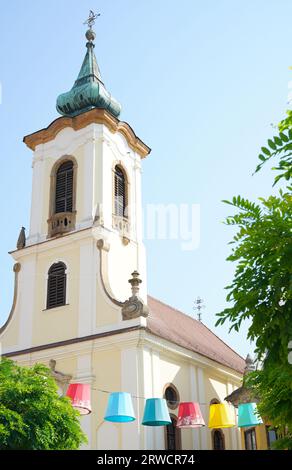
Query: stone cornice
[97,116]
[75,341]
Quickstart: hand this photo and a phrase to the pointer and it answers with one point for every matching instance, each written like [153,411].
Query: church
[81,304]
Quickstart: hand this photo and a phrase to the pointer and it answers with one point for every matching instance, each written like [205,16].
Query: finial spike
[21,242]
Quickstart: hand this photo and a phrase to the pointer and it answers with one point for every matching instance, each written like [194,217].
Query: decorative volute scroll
[21,242]
[134,307]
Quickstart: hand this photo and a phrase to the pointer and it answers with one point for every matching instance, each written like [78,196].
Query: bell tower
[85,234]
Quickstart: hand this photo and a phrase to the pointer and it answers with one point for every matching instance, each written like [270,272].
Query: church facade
[80,301]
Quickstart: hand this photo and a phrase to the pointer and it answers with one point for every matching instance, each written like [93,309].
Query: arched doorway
[172,435]
[218,438]
[172,432]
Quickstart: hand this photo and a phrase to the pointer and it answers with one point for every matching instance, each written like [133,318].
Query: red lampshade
[80,397]
[190,415]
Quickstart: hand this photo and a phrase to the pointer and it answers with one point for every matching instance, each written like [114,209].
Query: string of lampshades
[120,410]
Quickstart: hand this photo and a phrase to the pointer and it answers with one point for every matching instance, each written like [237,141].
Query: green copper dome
[88,91]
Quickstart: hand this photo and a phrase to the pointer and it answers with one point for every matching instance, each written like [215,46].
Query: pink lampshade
[80,397]
[190,415]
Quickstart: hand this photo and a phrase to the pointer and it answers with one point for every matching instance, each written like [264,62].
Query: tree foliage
[262,287]
[261,290]
[280,146]
[32,414]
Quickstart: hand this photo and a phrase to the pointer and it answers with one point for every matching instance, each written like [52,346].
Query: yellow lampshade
[220,416]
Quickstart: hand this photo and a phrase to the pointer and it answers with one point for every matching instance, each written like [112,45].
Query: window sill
[54,308]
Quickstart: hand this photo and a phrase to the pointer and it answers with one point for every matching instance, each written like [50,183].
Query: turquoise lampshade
[120,408]
[156,413]
[247,415]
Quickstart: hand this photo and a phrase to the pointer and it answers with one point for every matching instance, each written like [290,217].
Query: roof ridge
[197,322]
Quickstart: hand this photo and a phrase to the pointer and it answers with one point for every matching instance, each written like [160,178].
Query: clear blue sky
[200,82]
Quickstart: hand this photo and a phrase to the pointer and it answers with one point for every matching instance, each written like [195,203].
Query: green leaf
[278,141]
[272,144]
[266,151]
[284,137]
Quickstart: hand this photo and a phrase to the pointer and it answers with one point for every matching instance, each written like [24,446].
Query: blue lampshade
[247,415]
[156,413]
[120,408]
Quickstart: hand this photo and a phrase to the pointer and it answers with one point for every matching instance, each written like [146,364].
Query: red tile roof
[171,324]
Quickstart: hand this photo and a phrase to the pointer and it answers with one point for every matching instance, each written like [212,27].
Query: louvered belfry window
[64,188]
[120,192]
[56,294]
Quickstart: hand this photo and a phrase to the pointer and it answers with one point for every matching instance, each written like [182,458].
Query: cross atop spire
[91,18]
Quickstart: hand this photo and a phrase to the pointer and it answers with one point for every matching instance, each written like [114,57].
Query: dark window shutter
[64,188]
[120,193]
[56,294]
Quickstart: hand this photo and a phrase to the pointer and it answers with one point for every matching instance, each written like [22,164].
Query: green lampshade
[247,415]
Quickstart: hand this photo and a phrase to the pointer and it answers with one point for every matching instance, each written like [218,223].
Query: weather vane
[91,19]
[199,306]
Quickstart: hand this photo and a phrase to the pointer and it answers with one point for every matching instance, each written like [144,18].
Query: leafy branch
[279,146]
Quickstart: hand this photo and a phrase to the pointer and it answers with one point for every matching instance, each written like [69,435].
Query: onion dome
[88,91]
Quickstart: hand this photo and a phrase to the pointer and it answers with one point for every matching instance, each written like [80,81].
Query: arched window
[173,435]
[218,439]
[62,211]
[64,188]
[120,192]
[56,291]
[171,395]
[215,401]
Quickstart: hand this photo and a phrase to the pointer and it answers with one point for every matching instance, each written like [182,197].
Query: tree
[32,414]
[261,290]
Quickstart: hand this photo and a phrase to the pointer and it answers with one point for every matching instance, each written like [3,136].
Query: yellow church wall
[120,272]
[58,323]
[108,364]
[9,340]
[15,334]
[177,373]
[105,314]
[106,367]
[215,387]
